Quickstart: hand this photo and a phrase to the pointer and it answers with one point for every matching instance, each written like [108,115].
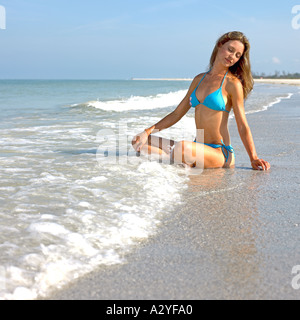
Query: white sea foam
[63,213]
[139,102]
[74,225]
[270,104]
[160,101]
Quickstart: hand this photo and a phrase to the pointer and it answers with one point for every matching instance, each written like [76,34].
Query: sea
[73,193]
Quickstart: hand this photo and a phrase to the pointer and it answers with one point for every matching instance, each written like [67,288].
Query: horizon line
[131,79]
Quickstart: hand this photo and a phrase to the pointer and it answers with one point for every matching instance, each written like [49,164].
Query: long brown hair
[241,69]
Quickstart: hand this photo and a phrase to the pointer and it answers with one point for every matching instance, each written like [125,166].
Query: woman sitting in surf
[213,94]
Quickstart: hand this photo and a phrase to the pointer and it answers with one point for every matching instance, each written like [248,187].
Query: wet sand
[236,235]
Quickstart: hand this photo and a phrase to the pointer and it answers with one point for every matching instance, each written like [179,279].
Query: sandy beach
[238,242]
[86,217]
[279,81]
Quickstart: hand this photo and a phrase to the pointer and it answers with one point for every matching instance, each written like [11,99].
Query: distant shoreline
[273,81]
[162,79]
[279,81]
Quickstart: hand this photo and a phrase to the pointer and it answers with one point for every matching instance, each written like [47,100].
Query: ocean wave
[90,219]
[138,102]
[160,101]
[271,104]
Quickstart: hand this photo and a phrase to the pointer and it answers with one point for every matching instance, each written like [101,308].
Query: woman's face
[230,52]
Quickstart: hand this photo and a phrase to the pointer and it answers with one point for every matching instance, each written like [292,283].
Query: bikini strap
[224,79]
[227,148]
[202,78]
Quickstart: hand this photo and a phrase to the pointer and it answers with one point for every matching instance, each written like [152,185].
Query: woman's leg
[199,155]
[158,146]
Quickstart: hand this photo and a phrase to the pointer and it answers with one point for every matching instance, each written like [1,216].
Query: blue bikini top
[213,101]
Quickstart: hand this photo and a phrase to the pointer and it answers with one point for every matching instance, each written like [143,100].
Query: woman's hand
[139,141]
[260,164]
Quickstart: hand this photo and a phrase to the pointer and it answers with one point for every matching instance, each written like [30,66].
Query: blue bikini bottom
[223,147]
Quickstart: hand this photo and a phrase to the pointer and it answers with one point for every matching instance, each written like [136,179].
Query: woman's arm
[168,121]
[237,97]
[178,113]
[172,118]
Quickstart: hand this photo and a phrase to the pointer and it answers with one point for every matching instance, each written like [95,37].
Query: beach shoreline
[237,242]
[272,81]
[279,81]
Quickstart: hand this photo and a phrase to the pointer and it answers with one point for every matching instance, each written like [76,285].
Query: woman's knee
[183,152]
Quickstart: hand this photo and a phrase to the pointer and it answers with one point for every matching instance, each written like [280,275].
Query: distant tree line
[276,75]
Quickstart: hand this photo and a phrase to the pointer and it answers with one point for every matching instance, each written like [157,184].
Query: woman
[212,94]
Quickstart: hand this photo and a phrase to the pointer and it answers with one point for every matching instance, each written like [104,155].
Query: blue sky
[120,39]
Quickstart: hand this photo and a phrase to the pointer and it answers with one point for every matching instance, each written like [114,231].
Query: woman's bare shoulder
[196,81]
[199,76]
[234,83]
[233,79]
